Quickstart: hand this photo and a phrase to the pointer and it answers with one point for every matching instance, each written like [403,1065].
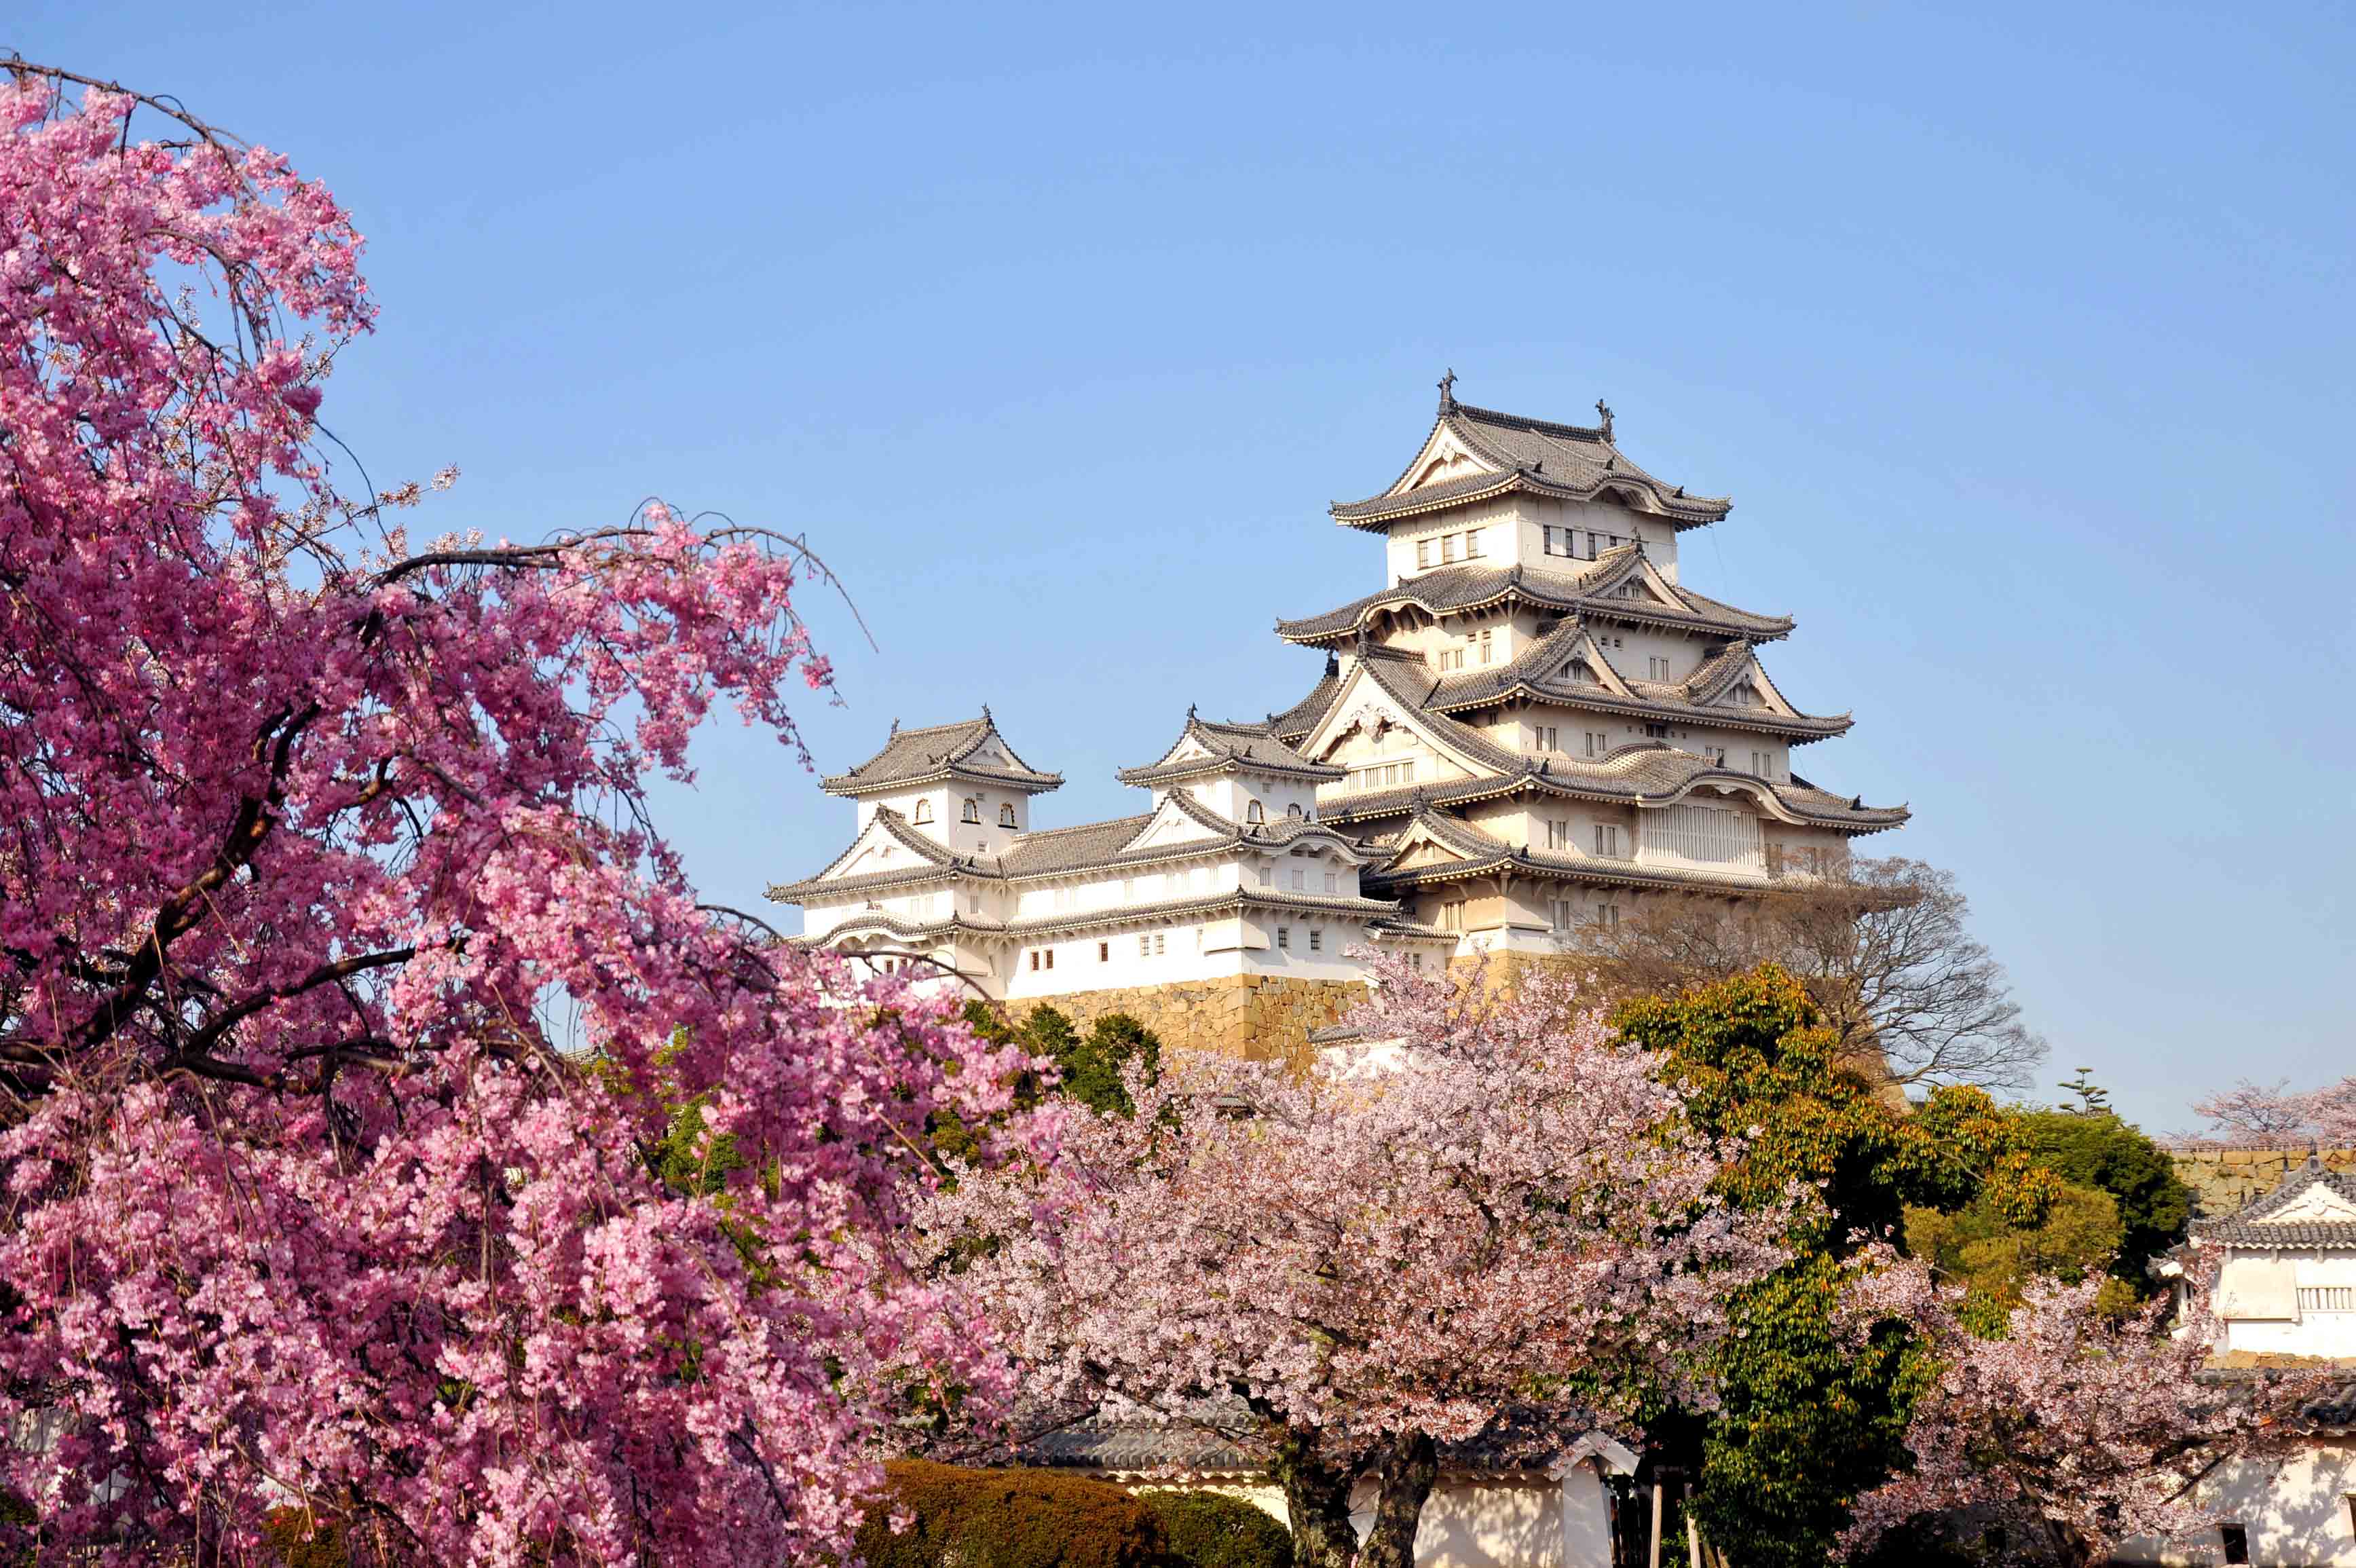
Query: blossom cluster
[348,982]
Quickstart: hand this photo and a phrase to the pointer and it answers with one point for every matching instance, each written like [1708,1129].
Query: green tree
[1807,1418]
[1088,1066]
[1992,1255]
[2095,1148]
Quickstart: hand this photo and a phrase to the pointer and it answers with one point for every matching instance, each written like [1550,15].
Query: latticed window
[973,812]
[2327,1298]
[1006,815]
[924,812]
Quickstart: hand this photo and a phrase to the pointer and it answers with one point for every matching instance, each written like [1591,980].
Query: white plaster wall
[2296,1512]
[1604,518]
[1495,520]
[2288,1328]
[1230,795]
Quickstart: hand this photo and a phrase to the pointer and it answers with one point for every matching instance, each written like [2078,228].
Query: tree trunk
[1316,1499]
[1407,1471]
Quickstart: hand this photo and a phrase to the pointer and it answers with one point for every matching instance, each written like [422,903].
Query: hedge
[1009,1518]
[1210,1530]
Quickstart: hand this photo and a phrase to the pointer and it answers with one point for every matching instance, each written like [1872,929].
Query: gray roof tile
[1537,456]
[2253,1226]
[1244,747]
[940,751]
[1452,589]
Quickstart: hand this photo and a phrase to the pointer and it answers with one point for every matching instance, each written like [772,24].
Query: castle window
[1284,937]
[1267,876]
[1035,958]
[1607,840]
[1597,744]
[924,812]
[1557,836]
[1144,945]
[1659,667]
[1549,532]
[1300,880]
[1161,943]
[1104,953]
[1006,815]
[1316,938]
[1607,915]
[1485,650]
[1447,547]
[1294,811]
[1422,553]
[973,812]
[1658,732]
[1333,882]
[1580,670]
[1546,738]
[1472,543]
[2236,1541]
[1252,813]
[1051,957]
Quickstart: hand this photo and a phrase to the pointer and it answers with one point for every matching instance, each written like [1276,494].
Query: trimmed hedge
[1009,1518]
[1211,1529]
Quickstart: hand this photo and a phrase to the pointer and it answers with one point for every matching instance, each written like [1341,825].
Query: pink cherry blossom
[1493,1221]
[2252,1113]
[2076,1430]
[349,989]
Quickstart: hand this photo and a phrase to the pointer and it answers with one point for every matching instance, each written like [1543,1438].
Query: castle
[1530,731]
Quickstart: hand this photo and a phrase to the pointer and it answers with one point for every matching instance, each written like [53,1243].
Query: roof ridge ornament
[1447,392]
[1603,411]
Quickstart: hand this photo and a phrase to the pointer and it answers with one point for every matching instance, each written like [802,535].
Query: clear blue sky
[2021,334]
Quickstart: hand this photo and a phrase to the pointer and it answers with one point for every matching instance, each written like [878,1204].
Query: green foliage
[301,1538]
[1807,1420]
[1009,1518]
[1981,1248]
[1088,1066]
[1210,1530]
[2098,1149]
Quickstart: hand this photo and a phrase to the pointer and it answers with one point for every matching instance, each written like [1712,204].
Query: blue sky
[2021,335]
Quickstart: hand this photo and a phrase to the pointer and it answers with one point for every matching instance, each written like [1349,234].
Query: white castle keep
[1532,729]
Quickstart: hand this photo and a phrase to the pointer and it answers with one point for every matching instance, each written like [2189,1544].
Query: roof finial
[1603,409]
[1190,713]
[1448,392]
[985,715]
[896,730]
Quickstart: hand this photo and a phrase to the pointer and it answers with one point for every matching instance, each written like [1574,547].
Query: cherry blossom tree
[346,985]
[1488,1225]
[2275,1113]
[2074,1431]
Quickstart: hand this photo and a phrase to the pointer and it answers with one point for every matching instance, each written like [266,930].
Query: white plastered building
[1533,728]
[2285,1295]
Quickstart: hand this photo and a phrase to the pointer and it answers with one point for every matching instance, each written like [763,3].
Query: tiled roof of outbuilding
[940,751]
[2254,1227]
[1569,461]
[1452,590]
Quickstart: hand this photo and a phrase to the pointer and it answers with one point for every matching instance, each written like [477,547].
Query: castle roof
[1645,772]
[1490,453]
[1538,675]
[1203,749]
[1476,853]
[1060,852]
[2313,1209]
[970,750]
[1461,590]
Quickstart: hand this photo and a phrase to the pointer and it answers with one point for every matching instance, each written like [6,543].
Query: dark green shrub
[305,1539]
[1008,1519]
[1208,1529]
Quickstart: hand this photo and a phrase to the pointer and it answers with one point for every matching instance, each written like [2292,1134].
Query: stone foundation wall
[1259,1016]
[2222,1180]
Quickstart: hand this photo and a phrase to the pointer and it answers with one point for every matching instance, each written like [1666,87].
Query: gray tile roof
[1535,456]
[1237,747]
[2253,1227]
[1536,674]
[1295,722]
[1457,589]
[1056,851]
[1136,1444]
[940,751]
